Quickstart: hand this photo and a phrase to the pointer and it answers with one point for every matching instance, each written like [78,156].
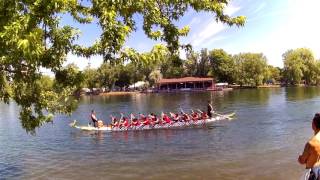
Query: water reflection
[301,93]
[256,96]
[96,136]
[269,132]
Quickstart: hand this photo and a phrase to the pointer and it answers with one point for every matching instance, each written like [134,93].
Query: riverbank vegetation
[243,69]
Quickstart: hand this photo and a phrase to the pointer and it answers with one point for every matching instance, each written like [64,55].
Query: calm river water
[264,141]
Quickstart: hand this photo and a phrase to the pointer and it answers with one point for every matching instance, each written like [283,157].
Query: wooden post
[212,85]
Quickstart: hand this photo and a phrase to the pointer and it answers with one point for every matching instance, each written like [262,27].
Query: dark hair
[316,120]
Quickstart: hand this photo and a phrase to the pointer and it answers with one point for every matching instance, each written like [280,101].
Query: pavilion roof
[184,79]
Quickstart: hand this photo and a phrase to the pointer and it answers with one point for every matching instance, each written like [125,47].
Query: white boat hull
[157,126]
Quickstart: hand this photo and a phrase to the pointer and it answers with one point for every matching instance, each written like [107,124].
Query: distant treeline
[245,69]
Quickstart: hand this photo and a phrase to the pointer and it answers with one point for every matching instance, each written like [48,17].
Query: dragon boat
[173,125]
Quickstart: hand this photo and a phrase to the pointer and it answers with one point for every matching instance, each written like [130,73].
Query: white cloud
[214,40]
[231,9]
[259,8]
[206,30]
[194,21]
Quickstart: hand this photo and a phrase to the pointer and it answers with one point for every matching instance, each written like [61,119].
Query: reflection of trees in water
[301,93]
[106,99]
[172,102]
[256,96]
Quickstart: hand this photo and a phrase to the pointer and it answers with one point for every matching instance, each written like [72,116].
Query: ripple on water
[263,141]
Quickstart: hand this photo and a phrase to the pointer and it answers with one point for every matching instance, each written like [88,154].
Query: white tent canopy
[222,84]
[137,84]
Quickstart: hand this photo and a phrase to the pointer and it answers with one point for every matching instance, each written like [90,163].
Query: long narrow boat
[157,126]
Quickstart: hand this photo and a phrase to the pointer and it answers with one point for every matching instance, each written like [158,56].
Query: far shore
[230,87]
[269,86]
[115,93]
[253,87]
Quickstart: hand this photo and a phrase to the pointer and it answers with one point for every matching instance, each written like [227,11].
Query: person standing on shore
[209,109]
[311,153]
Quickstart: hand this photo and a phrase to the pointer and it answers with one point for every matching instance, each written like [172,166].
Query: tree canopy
[32,38]
[300,65]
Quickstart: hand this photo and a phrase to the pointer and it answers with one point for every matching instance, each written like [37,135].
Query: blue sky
[272,27]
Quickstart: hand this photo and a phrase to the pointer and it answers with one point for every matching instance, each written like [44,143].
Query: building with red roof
[186,84]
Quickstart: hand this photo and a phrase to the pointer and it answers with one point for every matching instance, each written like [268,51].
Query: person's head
[92,111]
[316,122]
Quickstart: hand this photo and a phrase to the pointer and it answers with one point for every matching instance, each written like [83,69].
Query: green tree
[108,74]
[251,68]
[190,64]
[46,82]
[197,64]
[91,78]
[273,74]
[126,75]
[31,38]
[223,65]
[299,64]
[155,77]
[172,67]
[317,79]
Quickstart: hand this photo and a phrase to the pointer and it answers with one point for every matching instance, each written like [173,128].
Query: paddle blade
[73,124]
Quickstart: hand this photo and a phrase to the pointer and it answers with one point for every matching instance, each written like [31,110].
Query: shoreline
[118,93]
[254,87]
[230,88]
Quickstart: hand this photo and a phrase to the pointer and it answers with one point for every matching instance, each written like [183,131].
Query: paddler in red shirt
[146,121]
[126,122]
[114,121]
[195,116]
[185,117]
[204,115]
[135,122]
[175,117]
[154,119]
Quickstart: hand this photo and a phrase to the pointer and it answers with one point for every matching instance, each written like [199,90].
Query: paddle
[73,124]
[186,122]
